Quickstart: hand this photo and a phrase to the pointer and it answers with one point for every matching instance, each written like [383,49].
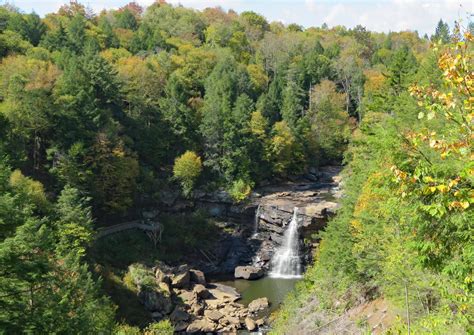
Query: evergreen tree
[441,33]
[292,107]
[401,69]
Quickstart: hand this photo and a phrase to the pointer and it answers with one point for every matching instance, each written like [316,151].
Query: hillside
[151,156]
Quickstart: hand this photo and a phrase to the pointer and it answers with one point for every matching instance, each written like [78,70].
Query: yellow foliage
[113,55]
[258,125]
[375,80]
[367,201]
[31,188]
[187,169]
[258,77]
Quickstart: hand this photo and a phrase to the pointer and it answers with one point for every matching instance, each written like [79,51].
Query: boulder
[155,301]
[320,209]
[187,297]
[201,291]
[197,276]
[201,325]
[258,304]
[161,276]
[181,280]
[260,322]
[165,287]
[196,309]
[180,326]
[248,272]
[232,320]
[157,316]
[213,315]
[179,315]
[213,303]
[250,324]
[223,293]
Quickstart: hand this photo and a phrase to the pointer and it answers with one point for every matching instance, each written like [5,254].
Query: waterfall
[286,261]
[256,221]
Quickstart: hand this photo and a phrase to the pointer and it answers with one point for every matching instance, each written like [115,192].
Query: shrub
[124,329]
[240,190]
[187,169]
[163,327]
[141,276]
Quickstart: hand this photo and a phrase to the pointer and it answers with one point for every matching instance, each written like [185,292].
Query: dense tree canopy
[404,234]
[99,112]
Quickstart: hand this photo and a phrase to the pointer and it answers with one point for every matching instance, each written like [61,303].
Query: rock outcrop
[258,305]
[245,248]
[193,307]
[248,272]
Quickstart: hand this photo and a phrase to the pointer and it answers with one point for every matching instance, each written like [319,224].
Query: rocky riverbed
[194,305]
[250,234]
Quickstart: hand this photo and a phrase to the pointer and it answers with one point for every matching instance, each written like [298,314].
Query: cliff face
[315,201]
[251,231]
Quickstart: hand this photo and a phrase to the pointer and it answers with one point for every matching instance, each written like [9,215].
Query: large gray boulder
[179,315]
[197,276]
[155,301]
[248,272]
[258,304]
[201,291]
[213,315]
[222,294]
[201,325]
[181,280]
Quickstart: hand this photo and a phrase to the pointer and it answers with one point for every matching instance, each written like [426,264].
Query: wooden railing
[138,224]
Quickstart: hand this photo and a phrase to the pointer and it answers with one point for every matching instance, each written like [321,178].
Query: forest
[103,114]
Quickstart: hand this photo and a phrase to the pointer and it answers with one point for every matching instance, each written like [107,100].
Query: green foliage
[401,68]
[164,327]
[142,276]
[74,224]
[50,289]
[97,108]
[284,150]
[105,102]
[32,190]
[328,121]
[124,329]
[187,169]
[442,33]
[240,190]
[404,232]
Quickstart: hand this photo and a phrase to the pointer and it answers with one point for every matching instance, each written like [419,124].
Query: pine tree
[441,33]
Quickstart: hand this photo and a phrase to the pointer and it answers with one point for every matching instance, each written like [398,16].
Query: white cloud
[385,15]
[379,15]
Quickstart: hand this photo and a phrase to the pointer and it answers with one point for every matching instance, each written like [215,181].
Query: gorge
[261,250]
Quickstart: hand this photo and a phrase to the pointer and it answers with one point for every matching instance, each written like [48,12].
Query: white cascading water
[286,262]
[256,221]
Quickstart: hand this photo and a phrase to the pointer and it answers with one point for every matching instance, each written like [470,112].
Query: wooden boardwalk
[137,224]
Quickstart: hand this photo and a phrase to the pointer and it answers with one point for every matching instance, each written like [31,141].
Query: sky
[381,15]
